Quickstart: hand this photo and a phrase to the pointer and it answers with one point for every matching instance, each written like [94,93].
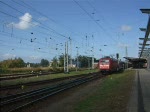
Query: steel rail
[41,82]
[44,93]
[25,75]
[11,98]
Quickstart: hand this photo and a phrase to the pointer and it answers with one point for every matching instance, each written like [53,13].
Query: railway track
[25,75]
[17,102]
[42,82]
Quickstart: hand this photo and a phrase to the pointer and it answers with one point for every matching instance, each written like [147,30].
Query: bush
[4,71]
[12,63]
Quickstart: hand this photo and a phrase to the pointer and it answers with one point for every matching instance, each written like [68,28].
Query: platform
[140,97]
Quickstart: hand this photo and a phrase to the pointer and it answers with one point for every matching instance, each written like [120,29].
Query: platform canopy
[137,62]
[146,38]
[131,59]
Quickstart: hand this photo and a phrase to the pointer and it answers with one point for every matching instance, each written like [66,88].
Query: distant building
[50,63]
[28,65]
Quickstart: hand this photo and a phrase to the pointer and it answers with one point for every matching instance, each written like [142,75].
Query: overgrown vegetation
[12,63]
[18,65]
[45,77]
[111,96]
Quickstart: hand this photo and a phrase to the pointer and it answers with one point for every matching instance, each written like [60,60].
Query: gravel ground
[65,101]
[25,88]
[30,87]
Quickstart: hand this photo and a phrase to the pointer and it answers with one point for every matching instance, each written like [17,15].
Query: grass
[45,77]
[28,70]
[111,96]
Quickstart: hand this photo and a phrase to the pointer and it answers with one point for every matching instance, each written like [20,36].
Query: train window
[104,61]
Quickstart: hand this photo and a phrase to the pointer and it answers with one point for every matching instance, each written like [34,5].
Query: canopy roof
[131,59]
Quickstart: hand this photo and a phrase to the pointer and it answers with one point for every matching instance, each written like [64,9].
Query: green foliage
[54,62]
[85,61]
[12,63]
[58,69]
[61,61]
[35,65]
[44,63]
[4,70]
[44,77]
[111,96]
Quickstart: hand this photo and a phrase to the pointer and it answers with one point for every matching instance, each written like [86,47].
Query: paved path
[140,98]
[144,76]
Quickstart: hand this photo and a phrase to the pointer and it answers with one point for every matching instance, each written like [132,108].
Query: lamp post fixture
[101,49]
[77,59]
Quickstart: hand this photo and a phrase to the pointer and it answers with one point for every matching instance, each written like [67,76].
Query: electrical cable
[45,27]
[101,27]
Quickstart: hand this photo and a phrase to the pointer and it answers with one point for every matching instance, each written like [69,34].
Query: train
[108,65]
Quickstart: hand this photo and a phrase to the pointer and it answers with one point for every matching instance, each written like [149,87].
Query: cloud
[121,45]
[8,56]
[43,19]
[24,23]
[34,57]
[126,28]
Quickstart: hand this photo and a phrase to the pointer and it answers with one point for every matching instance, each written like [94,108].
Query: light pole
[77,58]
[64,61]
[126,50]
[92,57]
[70,52]
[66,70]
[102,50]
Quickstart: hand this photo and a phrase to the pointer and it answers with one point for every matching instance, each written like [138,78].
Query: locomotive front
[104,65]
[108,65]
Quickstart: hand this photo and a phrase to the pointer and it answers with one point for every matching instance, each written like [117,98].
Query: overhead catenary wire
[92,18]
[33,18]
[113,26]
[35,49]
[23,20]
[97,21]
[43,26]
[46,28]
[25,39]
[40,13]
[28,6]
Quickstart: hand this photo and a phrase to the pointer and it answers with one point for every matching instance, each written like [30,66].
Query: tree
[84,61]
[13,63]
[61,60]
[19,62]
[44,63]
[54,62]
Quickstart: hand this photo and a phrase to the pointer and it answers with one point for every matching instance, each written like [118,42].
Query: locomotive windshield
[104,61]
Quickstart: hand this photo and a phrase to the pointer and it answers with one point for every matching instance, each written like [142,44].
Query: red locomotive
[109,65]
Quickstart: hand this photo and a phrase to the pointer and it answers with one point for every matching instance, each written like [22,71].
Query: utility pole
[77,59]
[67,58]
[88,62]
[92,57]
[66,70]
[70,51]
[126,56]
[93,53]
[64,61]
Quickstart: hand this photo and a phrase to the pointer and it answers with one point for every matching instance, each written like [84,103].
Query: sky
[39,29]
